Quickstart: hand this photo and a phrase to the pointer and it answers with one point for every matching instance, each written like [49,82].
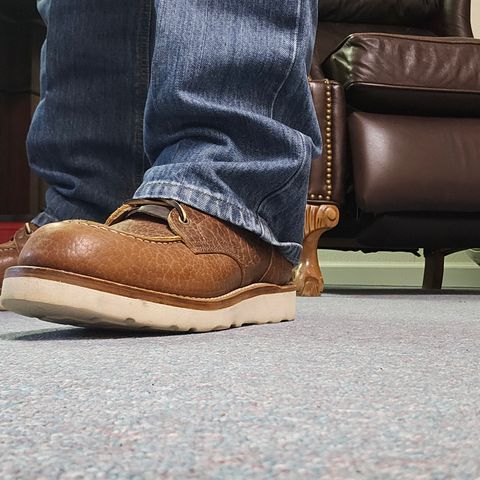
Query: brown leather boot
[10,251]
[154,265]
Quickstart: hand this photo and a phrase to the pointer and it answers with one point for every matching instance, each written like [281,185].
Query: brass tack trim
[328,143]
[329,139]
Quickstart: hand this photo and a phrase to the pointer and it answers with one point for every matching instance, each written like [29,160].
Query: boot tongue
[157,211]
[147,220]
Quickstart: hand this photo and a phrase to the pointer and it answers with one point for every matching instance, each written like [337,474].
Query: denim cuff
[221,208]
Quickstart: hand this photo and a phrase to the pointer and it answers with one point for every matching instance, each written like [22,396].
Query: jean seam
[142,77]
[259,205]
[293,59]
[154,90]
[290,180]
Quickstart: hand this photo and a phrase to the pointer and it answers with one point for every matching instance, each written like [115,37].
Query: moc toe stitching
[5,249]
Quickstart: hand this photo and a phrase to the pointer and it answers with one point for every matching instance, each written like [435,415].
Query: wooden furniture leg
[434,269]
[308,276]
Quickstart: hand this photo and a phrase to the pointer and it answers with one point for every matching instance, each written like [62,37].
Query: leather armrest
[327,175]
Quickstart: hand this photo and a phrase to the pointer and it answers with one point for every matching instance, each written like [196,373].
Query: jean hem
[221,208]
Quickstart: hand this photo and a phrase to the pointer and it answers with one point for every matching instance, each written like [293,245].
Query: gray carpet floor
[363,384]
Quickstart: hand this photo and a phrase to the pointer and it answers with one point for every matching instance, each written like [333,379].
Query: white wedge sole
[61,299]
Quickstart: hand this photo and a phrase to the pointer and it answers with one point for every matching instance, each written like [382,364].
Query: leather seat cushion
[415,164]
[409,74]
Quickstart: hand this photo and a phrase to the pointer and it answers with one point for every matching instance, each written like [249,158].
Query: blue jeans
[201,101]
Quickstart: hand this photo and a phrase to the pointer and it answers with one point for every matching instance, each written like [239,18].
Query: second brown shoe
[154,265]
[10,251]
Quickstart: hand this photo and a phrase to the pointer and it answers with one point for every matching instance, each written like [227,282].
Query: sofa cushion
[409,74]
[415,164]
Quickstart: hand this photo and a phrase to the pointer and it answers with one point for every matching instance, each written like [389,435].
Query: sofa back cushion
[387,12]
[408,13]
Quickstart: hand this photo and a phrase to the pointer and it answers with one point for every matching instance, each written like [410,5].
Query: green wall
[393,270]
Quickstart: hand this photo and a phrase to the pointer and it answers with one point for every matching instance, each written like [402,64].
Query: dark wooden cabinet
[21,36]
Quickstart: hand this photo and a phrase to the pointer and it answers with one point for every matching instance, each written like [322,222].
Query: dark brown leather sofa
[396,84]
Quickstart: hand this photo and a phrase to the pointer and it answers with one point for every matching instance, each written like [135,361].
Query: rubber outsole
[66,298]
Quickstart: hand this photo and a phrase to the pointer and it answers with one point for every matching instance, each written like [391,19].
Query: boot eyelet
[185,220]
